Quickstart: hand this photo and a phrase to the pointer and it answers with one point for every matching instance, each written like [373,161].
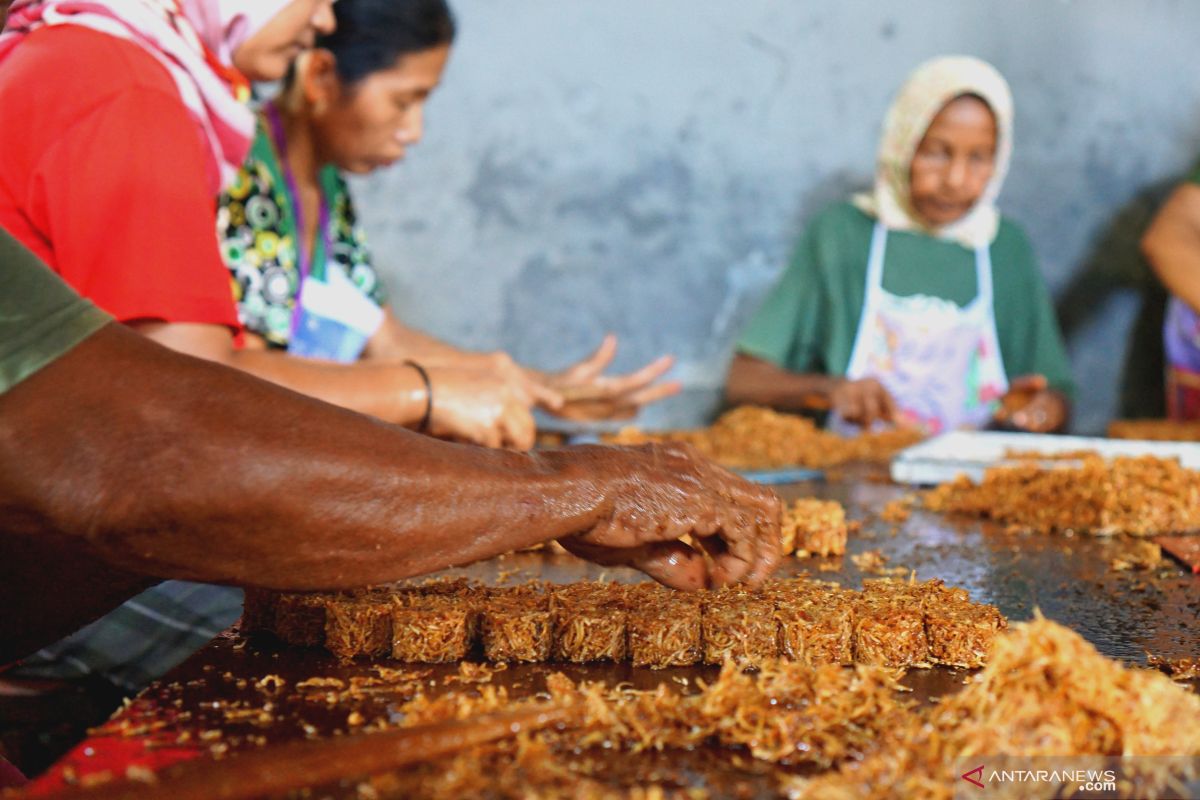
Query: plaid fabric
[141,640]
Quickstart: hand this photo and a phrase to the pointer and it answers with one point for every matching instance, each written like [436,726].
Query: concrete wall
[643,166]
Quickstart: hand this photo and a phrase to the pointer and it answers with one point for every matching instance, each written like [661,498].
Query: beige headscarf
[930,87]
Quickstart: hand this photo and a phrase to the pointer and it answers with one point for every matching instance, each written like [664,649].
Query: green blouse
[809,322]
[256,226]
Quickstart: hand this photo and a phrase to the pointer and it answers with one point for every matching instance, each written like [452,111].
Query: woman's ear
[316,72]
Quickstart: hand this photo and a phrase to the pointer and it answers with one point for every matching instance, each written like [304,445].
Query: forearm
[396,341]
[754,381]
[1172,245]
[193,471]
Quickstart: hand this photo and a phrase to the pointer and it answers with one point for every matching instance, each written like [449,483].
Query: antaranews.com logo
[997,777]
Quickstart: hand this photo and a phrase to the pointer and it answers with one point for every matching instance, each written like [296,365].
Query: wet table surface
[215,700]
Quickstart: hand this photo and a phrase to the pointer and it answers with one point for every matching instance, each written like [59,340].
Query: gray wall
[643,166]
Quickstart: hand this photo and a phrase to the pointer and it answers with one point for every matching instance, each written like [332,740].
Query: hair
[372,35]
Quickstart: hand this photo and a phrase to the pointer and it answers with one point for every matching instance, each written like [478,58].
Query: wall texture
[643,166]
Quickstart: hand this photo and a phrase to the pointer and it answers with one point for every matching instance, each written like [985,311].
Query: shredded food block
[813,527]
[433,629]
[358,627]
[300,619]
[961,634]
[663,627]
[1139,496]
[589,622]
[516,624]
[738,625]
[817,628]
[258,610]
[890,632]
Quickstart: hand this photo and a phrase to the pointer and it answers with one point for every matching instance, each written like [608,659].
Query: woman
[120,120]
[303,276]
[917,304]
[1172,246]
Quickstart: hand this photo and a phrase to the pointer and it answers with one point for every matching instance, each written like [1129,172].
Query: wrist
[427,387]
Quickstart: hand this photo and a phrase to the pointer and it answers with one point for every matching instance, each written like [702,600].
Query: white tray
[970,453]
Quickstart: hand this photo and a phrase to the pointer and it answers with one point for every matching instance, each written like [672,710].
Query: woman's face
[954,161]
[267,54]
[370,124]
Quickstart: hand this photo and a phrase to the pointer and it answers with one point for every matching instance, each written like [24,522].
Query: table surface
[214,700]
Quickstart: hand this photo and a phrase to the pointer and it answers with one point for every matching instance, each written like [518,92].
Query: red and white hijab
[193,39]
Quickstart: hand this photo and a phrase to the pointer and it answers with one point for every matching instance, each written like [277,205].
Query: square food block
[516,625]
[890,633]
[960,634]
[934,590]
[434,629]
[589,622]
[258,610]
[819,630]
[814,527]
[740,625]
[663,627]
[300,619]
[358,627]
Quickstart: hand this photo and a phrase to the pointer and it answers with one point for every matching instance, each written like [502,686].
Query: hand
[661,492]
[862,402]
[1030,405]
[480,407]
[588,394]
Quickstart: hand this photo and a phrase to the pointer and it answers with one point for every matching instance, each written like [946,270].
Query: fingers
[1040,415]
[618,385]
[517,428]
[593,366]
[672,564]
[1028,383]
[888,404]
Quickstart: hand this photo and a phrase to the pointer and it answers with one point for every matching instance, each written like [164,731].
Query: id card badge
[335,319]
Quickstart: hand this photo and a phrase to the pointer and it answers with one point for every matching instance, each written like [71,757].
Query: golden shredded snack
[516,624]
[663,627]
[1142,496]
[752,437]
[589,622]
[736,624]
[358,627]
[433,628]
[300,619]
[812,527]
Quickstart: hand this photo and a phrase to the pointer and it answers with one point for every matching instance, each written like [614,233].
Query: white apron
[941,363]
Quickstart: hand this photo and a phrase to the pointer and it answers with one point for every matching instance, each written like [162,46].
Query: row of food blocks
[889,623]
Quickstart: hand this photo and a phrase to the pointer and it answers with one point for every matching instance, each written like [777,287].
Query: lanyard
[303,260]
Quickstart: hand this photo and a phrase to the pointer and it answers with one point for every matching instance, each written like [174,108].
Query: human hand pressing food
[1031,406]
[863,402]
[661,492]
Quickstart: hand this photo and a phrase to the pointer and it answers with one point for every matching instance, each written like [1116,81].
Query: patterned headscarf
[930,87]
[193,39]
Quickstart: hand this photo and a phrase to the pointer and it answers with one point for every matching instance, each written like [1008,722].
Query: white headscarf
[926,92]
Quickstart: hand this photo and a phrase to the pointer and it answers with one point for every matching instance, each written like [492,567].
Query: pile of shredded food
[752,437]
[1139,496]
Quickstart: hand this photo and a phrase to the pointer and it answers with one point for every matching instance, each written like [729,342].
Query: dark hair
[372,34]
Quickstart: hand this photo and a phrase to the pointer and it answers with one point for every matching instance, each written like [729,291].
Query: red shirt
[103,175]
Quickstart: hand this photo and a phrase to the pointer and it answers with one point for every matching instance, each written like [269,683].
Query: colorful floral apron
[940,362]
[1181,340]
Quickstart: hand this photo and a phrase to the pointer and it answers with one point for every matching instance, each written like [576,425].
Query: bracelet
[424,426]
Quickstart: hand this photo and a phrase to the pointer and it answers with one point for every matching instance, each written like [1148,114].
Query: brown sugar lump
[433,628]
[818,629]
[300,619]
[516,624]
[961,634]
[589,622]
[813,527]
[663,627]
[738,624]
[890,632]
[258,610]
[356,627]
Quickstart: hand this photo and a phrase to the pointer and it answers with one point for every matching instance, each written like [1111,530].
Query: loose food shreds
[1164,430]
[1142,496]
[358,627]
[890,633]
[751,437]
[433,629]
[516,625]
[814,527]
[739,625]
[590,622]
[663,627]
[300,619]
